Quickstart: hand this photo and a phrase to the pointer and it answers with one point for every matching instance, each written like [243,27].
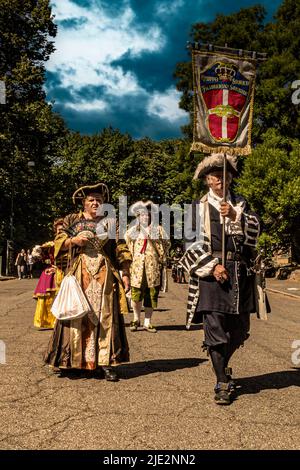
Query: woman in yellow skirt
[48,285]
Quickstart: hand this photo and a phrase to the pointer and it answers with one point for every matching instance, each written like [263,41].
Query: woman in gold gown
[98,340]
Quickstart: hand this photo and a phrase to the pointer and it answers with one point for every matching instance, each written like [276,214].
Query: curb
[7,278]
[283,293]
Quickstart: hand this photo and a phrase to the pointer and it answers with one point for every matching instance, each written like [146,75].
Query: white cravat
[231,227]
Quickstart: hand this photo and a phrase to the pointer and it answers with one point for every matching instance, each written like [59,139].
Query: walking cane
[224,200]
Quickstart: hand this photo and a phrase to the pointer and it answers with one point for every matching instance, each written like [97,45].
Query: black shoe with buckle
[232,384]
[110,374]
[150,328]
[222,393]
[134,325]
[98,373]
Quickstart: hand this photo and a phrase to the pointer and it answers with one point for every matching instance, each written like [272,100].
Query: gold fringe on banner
[198,147]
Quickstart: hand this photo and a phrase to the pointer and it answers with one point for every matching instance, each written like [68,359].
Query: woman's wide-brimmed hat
[84,191]
[214,162]
[141,206]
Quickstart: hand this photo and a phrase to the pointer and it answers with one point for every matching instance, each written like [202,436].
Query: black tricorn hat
[214,162]
[84,191]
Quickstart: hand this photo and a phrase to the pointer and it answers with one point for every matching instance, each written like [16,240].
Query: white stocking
[136,307]
[148,315]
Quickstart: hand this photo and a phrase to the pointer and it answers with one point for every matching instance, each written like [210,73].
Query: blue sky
[114,61]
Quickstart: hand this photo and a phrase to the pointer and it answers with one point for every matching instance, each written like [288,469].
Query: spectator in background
[29,264]
[21,263]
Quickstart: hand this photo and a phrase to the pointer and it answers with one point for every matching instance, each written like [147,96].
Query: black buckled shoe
[98,373]
[222,393]
[232,384]
[110,374]
[134,325]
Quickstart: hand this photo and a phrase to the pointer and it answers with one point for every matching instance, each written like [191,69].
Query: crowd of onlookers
[28,263]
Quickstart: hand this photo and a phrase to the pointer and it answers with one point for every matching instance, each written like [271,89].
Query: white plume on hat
[37,251]
[141,206]
[216,161]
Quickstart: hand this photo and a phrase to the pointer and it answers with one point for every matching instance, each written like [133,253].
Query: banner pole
[224,200]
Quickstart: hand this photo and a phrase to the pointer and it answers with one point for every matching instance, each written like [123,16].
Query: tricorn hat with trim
[141,206]
[84,191]
[214,162]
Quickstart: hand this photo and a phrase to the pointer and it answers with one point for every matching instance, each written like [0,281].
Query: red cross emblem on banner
[224,90]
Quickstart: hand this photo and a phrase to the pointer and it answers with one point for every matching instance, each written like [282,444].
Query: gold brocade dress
[99,338]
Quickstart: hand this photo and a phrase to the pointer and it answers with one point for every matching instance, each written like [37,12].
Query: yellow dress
[43,317]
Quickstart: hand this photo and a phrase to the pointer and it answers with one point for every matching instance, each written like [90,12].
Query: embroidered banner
[223,102]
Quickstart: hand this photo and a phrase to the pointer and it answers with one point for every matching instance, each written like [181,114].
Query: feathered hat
[84,191]
[214,162]
[142,206]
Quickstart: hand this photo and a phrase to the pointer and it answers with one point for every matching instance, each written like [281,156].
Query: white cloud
[89,40]
[94,105]
[85,51]
[165,105]
[168,7]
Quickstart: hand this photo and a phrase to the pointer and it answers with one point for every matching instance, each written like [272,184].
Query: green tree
[29,130]
[87,159]
[271,181]
[274,107]
[246,29]
[137,169]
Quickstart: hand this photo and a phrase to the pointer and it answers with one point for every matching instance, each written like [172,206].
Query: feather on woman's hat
[214,162]
[84,191]
[141,206]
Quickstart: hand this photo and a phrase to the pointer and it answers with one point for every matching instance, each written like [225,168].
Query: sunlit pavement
[164,399]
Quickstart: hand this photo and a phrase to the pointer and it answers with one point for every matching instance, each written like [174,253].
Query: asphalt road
[164,399]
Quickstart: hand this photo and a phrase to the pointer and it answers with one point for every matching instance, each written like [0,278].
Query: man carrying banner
[222,295]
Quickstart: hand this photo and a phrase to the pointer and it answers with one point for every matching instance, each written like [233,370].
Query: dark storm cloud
[124,120]
[127,116]
[153,70]
[72,23]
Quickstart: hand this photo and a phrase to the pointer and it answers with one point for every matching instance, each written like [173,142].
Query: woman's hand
[79,240]
[220,273]
[50,270]
[126,281]
[226,210]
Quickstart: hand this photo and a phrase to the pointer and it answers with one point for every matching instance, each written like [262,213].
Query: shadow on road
[178,327]
[137,369]
[275,380]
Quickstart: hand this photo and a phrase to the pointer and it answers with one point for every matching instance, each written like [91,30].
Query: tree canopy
[29,130]
[271,181]
[279,38]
